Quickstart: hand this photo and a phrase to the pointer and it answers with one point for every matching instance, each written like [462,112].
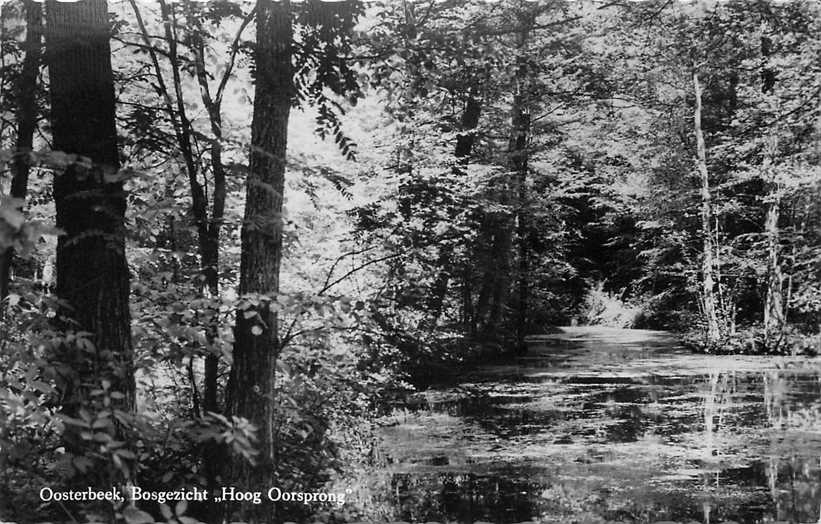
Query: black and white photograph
[410,261]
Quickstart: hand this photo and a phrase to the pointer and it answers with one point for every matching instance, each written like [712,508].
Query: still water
[605,425]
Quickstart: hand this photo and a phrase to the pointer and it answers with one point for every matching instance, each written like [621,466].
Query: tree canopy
[235,232]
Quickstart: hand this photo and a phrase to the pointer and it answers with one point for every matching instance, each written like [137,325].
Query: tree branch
[233,56]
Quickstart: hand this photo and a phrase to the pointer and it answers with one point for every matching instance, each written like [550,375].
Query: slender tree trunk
[725,301]
[92,274]
[209,250]
[252,386]
[488,265]
[774,303]
[707,265]
[522,232]
[208,227]
[518,153]
[468,315]
[501,277]
[26,123]
[796,239]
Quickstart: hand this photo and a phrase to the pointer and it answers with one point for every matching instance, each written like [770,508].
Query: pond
[606,425]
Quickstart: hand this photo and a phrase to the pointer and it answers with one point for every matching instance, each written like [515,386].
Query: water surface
[607,425]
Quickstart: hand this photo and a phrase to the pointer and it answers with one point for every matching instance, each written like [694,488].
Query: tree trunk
[464,146]
[518,154]
[26,123]
[501,277]
[492,294]
[707,281]
[208,228]
[209,240]
[468,315]
[257,343]
[213,454]
[797,238]
[774,304]
[522,232]
[92,273]
[488,270]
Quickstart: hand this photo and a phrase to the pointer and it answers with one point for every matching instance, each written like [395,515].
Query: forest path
[607,425]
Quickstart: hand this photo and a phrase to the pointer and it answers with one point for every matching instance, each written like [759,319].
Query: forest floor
[606,425]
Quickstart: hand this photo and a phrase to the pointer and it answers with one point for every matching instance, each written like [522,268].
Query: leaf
[101,423]
[42,387]
[256,330]
[12,216]
[73,421]
[81,464]
[135,516]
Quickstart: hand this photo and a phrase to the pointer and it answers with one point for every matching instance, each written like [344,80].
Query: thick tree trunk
[92,273]
[256,348]
[707,280]
[26,123]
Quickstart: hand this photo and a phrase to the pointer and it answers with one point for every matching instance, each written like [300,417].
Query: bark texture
[92,274]
[774,314]
[707,265]
[252,382]
[774,303]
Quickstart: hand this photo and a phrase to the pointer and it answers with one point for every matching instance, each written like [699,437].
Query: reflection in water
[607,425]
[794,469]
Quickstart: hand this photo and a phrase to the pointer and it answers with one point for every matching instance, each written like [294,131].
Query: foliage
[602,308]
[457,230]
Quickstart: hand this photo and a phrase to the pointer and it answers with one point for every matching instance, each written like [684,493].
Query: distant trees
[741,154]
[606,160]
[26,116]
[481,238]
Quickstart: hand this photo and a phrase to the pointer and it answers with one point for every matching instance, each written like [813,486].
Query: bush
[753,340]
[605,308]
